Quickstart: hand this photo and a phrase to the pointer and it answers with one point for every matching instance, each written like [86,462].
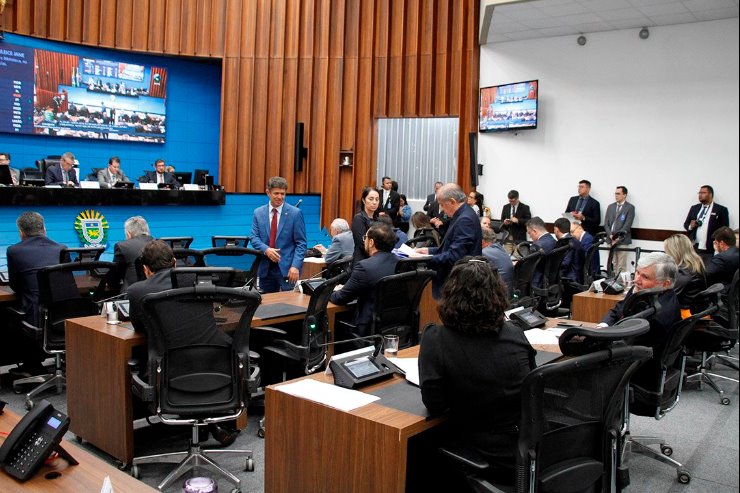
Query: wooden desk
[591,307]
[312,267]
[98,381]
[6,294]
[87,476]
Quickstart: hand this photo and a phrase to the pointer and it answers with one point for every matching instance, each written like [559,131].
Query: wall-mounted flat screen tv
[508,107]
[51,93]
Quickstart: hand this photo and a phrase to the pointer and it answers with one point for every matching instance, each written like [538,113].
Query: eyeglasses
[364,237]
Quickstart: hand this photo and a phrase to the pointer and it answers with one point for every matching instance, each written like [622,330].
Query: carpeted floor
[703,433]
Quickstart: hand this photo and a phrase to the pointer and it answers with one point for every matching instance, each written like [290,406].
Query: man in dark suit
[703,220]
[618,226]
[278,231]
[15,174]
[722,267]
[390,200]
[586,240]
[463,237]
[126,252]
[585,208]
[34,252]
[654,270]
[571,268]
[498,258]
[432,197]
[160,175]
[515,216]
[379,241]
[64,173]
[544,241]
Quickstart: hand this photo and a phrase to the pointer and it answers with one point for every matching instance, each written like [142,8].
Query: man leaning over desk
[63,173]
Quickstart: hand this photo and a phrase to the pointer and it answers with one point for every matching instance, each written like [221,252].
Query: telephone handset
[33,439]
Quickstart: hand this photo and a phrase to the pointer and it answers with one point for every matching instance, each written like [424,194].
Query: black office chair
[93,175]
[230,241]
[338,267]
[551,293]
[195,384]
[411,264]
[570,418]
[711,340]
[32,177]
[245,260]
[524,270]
[178,241]
[656,389]
[82,254]
[188,257]
[65,291]
[424,237]
[591,272]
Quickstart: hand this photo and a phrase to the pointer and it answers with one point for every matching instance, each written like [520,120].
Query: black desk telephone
[33,439]
[528,318]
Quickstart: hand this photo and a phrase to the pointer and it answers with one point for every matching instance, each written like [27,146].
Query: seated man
[654,270]
[113,174]
[379,241]
[25,259]
[160,175]
[722,266]
[571,267]
[126,252]
[544,241]
[342,244]
[586,241]
[64,173]
[498,258]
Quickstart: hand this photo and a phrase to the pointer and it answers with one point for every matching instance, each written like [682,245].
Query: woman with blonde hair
[691,278]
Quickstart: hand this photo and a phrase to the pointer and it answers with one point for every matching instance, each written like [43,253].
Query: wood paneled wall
[336,65]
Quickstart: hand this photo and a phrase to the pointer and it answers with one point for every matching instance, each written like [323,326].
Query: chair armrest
[32,331]
[16,311]
[139,387]
[468,458]
[269,331]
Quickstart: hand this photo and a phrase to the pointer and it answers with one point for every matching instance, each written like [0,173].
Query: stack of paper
[327,394]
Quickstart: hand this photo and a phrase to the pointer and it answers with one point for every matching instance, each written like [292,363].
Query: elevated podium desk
[591,307]
[34,196]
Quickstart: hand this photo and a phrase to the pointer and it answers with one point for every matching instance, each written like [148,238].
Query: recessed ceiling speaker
[644,33]
[581,40]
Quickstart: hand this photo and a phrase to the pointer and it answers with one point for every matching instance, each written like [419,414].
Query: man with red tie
[278,231]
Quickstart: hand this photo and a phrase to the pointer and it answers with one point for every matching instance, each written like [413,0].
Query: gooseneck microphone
[298,204]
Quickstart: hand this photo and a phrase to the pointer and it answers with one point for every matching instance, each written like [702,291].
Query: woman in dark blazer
[369,203]
[473,366]
[691,278]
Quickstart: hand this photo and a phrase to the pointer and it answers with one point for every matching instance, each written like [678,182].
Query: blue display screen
[54,422]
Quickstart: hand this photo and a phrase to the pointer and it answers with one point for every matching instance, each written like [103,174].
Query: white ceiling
[548,18]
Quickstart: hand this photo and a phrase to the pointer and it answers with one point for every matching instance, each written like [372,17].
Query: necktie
[616,218]
[160,178]
[579,205]
[703,213]
[513,210]
[13,178]
[65,176]
[273,228]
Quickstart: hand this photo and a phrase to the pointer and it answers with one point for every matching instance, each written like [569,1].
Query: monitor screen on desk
[5,177]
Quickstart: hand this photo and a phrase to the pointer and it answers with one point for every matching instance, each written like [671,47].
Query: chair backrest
[187,277]
[32,177]
[733,302]
[245,260]
[80,254]
[93,175]
[591,273]
[72,290]
[524,270]
[397,305]
[343,265]
[188,257]
[411,264]
[571,411]
[197,378]
[48,161]
[177,241]
[551,292]
[642,304]
[230,241]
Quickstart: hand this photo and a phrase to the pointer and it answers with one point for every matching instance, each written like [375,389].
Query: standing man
[64,173]
[34,252]
[15,174]
[379,241]
[390,201]
[703,220]
[432,197]
[278,231]
[159,175]
[126,252]
[618,226]
[515,216]
[112,174]
[463,237]
[585,208]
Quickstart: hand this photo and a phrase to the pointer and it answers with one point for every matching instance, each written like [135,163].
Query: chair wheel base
[249,465]
[666,450]
[725,401]
[684,477]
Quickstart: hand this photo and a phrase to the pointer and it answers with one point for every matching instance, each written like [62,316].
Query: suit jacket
[25,259]
[125,254]
[54,176]
[105,180]
[623,223]
[591,211]
[15,175]
[361,287]
[434,211]
[391,205]
[342,245]
[518,230]
[717,218]
[501,261]
[463,238]
[586,241]
[430,199]
[151,177]
[546,243]
[722,267]
[196,327]
[290,239]
[571,267]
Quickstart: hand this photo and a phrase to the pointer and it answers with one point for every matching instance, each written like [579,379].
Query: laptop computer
[5,176]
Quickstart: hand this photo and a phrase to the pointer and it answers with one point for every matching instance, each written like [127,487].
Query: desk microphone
[613,286]
[377,338]
[298,204]
[116,297]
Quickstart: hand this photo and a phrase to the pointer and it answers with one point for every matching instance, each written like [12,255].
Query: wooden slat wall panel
[336,65]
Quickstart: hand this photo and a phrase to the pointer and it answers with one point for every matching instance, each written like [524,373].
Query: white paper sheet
[410,252]
[410,366]
[327,394]
[313,260]
[557,331]
[539,336]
